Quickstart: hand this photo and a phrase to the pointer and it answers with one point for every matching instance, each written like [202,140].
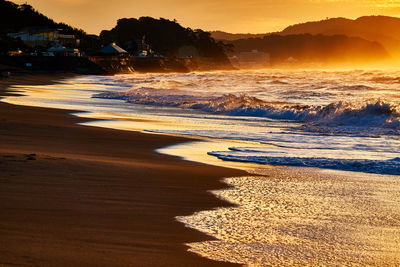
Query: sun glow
[233,16]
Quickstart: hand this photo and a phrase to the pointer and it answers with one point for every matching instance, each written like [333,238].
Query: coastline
[81,195]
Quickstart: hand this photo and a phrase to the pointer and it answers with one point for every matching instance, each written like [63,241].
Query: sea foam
[390,166]
[374,117]
[347,120]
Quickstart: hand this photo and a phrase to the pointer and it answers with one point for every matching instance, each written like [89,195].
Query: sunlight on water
[341,120]
[197,151]
[292,216]
[347,120]
[304,217]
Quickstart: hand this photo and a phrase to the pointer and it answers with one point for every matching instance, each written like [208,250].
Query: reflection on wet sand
[304,217]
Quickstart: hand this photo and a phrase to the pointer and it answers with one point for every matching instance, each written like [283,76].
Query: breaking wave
[373,117]
[391,166]
[335,120]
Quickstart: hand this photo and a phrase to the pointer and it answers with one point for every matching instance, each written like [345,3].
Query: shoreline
[91,199]
[337,217]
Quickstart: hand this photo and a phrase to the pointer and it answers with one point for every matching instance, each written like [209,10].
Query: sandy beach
[74,195]
[180,135]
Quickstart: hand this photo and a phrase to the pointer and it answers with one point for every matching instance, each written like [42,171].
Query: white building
[42,36]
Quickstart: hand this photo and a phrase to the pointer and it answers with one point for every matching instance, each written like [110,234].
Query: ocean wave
[373,117]
[357,87]
[386,79]
[391,166]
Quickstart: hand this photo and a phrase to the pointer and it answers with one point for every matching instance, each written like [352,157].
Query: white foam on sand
[287,216]
[301,217]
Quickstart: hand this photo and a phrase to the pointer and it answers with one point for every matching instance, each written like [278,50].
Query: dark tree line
[14,18]
[164,36]
[319,48]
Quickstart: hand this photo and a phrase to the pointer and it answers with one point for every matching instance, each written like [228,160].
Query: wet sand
[304,217]
[79,195]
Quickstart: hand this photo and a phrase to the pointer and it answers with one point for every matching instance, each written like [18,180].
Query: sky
[236,16]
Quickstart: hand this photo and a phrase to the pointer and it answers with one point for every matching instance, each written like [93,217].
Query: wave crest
[377,117]
[390,166]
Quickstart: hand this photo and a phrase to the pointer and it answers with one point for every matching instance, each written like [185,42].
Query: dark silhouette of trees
[382,29]
[164,36]
[314,48]
[14,18]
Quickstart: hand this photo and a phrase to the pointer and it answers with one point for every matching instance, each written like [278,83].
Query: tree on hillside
[165,37]
[14,18]
[314,48]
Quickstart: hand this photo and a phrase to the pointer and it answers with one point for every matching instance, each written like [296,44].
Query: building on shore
[143,49]
[112,50]
[41,36]
[59,50]
[112,58]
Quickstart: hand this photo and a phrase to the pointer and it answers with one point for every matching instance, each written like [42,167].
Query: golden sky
[237,16]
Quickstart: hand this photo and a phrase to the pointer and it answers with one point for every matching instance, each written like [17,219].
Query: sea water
[339,120]
[347,120]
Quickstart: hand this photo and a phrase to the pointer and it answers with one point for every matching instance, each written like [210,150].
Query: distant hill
[382,29]
[307,48]
[220,35]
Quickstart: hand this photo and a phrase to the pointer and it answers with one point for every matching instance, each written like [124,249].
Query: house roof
[57,48]
[112,49]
